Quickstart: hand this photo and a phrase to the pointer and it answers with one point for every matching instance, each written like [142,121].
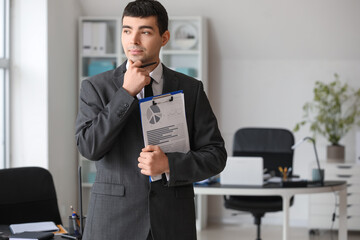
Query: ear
[165,38]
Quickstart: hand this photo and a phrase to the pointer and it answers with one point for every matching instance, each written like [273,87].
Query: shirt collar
[156,74]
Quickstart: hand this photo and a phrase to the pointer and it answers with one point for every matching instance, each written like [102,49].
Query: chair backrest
[272,144]
[27,195]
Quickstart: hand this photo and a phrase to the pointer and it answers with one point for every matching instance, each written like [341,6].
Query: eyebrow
[141,27]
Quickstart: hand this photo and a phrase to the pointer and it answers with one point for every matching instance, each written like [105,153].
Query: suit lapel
[118,77]
[171,81]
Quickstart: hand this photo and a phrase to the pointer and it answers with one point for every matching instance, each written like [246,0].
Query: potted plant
[333,111]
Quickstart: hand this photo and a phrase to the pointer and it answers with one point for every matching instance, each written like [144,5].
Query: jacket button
[126,105]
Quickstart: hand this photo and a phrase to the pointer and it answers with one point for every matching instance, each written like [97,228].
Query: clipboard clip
[162,96]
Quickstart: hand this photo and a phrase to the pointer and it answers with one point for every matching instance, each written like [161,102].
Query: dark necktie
[148,89]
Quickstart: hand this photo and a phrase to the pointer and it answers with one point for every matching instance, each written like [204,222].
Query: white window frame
[5,64]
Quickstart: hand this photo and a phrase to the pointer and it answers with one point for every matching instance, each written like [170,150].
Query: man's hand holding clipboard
[153,161]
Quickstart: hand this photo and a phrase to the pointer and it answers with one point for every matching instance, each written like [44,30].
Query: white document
[95,38]
[34,227]
[164,123]
[101,37]
[86,38]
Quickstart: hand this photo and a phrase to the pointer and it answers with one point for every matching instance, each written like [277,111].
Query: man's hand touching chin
[135,78]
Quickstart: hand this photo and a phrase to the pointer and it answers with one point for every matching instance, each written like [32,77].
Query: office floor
[269,232]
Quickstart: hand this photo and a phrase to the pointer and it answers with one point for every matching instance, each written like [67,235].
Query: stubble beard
[142,57]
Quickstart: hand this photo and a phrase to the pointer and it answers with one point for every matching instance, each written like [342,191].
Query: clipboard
[155,99]
[163,121]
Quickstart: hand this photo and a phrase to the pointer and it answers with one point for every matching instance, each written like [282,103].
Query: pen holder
[284,177]
[284,172]
[74,226]
[316,175]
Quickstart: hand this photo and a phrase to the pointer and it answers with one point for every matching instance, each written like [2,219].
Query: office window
[4,81]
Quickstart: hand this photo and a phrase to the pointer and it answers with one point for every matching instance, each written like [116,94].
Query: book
[33,227]
[32,236]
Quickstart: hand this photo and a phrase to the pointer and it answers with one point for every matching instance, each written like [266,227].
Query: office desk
[271,190]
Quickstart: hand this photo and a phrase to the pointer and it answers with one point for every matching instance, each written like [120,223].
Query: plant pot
[335,154]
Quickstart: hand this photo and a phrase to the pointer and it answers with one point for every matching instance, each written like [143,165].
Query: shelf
[180,52]
[108,55]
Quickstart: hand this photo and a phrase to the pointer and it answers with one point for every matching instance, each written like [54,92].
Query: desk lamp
[316,155]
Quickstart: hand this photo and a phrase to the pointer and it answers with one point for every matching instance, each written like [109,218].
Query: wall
[264,58]
[44,92]
[62,99]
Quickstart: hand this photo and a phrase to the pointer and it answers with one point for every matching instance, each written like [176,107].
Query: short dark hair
[147,8]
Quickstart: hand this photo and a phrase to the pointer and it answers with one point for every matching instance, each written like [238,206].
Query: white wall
[44,90]
[264,58]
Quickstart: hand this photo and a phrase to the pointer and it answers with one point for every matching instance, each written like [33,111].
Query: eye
[126,31]
[146,32]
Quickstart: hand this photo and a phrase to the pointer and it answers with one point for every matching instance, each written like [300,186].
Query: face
[141,39]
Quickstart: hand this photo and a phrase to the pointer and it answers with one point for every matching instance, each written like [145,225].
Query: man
[124,204]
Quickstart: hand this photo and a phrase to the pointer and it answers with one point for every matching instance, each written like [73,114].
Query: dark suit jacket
[124,204]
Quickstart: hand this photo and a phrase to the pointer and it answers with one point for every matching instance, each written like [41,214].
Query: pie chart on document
[153,114]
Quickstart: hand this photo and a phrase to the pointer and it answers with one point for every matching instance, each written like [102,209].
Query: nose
[135,38]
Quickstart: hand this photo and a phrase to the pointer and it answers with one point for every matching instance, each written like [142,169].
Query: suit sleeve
[207,156]
[99,122]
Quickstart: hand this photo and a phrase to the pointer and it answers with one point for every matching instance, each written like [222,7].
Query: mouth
[135,50]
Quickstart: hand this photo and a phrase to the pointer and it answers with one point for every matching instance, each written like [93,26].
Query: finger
[145,155]
[147,80]
[131,63]
[137,64]
[143,166]
[143,160]
[156,148]
[149,148]
[145,172]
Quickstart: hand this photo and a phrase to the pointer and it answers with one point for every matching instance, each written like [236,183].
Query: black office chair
[27,195]
[274,146]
